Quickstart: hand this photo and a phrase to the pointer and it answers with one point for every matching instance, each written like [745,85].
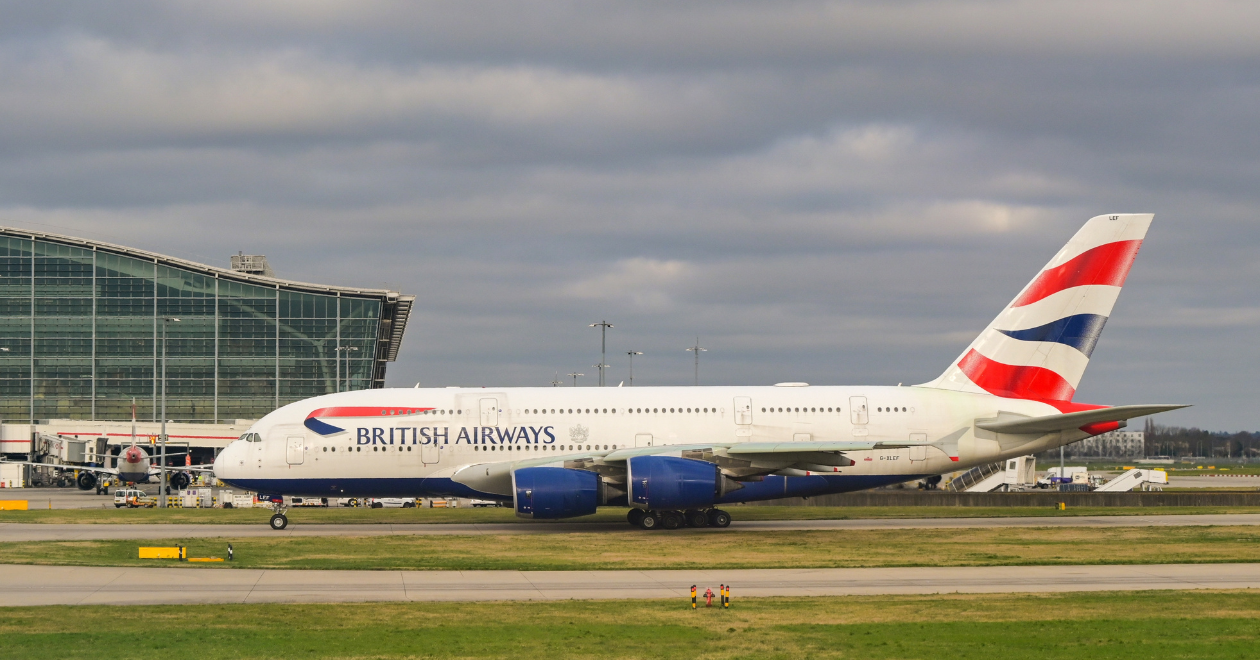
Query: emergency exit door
[857,410]
[295,450]
[743,410]
[489,412]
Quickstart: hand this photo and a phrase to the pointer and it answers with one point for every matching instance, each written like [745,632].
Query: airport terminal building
[85,325]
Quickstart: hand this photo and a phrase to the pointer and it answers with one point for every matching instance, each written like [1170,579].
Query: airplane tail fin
[1039,346]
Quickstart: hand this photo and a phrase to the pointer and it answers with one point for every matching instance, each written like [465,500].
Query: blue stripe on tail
[1080,332]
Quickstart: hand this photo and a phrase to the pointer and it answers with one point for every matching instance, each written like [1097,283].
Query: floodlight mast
[575,377]
[347,349]
[697,350]
[603,347]
[632,354]
[162,451]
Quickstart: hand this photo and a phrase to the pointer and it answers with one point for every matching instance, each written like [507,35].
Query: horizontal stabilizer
[1075,420]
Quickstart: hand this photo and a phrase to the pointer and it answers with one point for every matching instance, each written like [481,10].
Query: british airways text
[474,435]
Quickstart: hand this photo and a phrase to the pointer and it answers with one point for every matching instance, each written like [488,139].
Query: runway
[12,532]
[60,585]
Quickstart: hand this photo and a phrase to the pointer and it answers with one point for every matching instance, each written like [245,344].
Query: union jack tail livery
[1039,346]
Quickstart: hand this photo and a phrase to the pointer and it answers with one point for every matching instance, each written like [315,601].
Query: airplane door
[643,440]
[857,410]
[743,410]
[918,447]
[430,453]
[296,450]
[489,412]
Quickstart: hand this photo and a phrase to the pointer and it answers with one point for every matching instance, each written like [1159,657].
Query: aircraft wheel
[649,521]
[696,518]
[672,520]
[635,517]
[719,518]
[279,522]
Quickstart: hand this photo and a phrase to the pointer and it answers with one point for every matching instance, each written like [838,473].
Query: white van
[121,495]
[393,503]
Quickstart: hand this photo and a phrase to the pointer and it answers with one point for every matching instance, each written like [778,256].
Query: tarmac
[62,585]
[11,532]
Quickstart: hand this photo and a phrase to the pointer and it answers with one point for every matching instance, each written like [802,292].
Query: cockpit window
[251,437]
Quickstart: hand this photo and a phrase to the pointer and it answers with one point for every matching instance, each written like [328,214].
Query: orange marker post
[693,596]
[726,597]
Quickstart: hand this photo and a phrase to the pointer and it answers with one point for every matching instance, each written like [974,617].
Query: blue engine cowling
[550,493]
[665,482]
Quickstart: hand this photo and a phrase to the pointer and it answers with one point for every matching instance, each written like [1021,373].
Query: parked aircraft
[673,455]
[133,466]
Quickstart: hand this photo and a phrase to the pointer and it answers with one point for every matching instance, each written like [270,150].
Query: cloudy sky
[830,192]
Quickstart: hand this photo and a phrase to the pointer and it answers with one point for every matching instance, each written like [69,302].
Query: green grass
[635,549]
[316,516]
[1099,626]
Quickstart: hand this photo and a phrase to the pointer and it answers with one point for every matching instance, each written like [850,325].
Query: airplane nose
[226,460]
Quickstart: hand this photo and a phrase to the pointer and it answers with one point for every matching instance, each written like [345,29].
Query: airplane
[672,455]
[133,466]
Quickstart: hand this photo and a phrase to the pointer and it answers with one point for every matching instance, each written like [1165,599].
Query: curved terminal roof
[396,307]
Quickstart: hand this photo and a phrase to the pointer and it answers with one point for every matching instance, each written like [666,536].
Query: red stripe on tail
[1106,264]
[1014,381]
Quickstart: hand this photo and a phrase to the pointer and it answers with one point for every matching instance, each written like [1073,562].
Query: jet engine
[548,493]
[665,482]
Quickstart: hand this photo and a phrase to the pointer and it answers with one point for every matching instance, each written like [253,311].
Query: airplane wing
[1075,420]
[754,458]
[184,468]
[81,468]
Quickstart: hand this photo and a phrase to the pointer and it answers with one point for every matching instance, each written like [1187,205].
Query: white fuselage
[411,441]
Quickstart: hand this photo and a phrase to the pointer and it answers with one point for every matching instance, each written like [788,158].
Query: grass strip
[1168,624]
[679,550]
[317,516]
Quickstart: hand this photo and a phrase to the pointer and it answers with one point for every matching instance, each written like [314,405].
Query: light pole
[162,451]
[697,350]
[347,349]
[603,347]
[555,380]
[575,377]
[632,354]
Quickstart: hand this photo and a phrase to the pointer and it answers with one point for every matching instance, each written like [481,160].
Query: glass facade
[84,330]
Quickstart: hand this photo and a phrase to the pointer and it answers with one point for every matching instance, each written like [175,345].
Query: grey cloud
[828,192]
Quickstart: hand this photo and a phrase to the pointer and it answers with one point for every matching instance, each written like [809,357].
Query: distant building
[85,325]
[1114,444]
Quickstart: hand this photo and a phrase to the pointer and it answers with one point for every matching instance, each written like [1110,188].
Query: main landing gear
[278,520]
[677,519]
